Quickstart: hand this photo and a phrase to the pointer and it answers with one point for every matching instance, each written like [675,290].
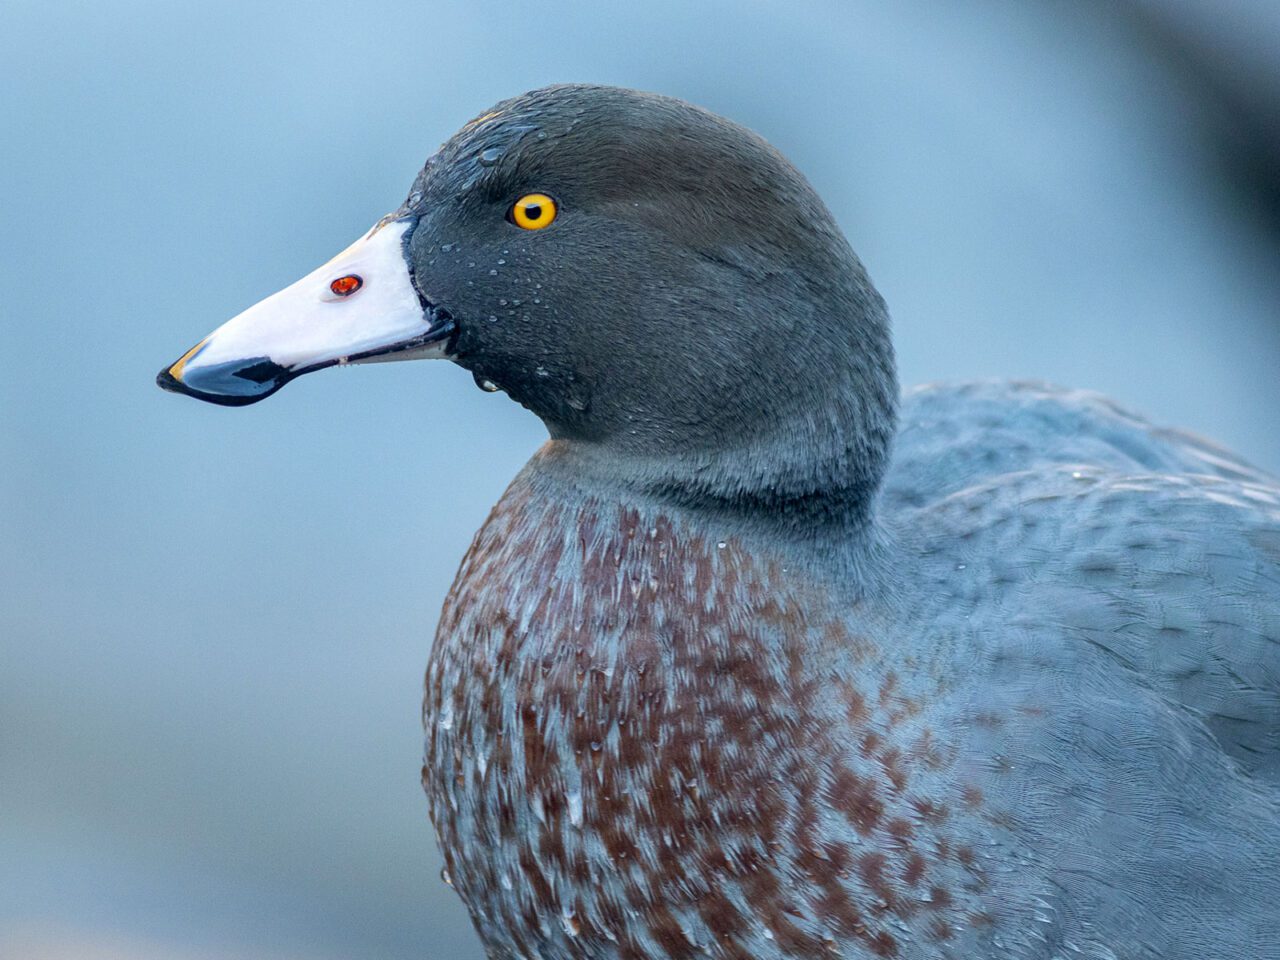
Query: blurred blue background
[213,622]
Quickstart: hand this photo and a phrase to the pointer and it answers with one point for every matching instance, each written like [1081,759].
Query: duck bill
[359,307]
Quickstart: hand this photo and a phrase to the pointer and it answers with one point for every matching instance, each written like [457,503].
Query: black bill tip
[233,384]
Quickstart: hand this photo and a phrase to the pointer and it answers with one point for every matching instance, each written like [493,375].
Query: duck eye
[533,211]
[346,286]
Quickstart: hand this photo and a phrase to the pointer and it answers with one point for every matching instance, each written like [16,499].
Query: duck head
[650,279]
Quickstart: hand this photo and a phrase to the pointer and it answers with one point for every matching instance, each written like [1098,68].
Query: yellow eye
[533,211]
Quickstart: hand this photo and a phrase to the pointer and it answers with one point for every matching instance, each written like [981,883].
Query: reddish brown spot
[900,828]
[821,869]
[871,867]
[891,760]
[887,686]
[835,907]
[790,937]
[915,868]
[972,796]
[856,708]
[855,796]
[665,928]
[929,811]
[533,876]
[720,915]
[883,945]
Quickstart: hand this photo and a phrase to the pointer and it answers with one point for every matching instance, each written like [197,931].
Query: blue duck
[757,658]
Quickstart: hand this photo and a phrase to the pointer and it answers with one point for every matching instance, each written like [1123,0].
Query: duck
[760,657]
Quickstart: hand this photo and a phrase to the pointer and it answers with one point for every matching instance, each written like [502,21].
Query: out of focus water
[213,622]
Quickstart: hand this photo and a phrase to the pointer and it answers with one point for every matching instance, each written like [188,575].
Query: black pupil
[533,211]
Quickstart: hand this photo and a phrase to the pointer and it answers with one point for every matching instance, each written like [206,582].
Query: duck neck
[806,484]
[812,464]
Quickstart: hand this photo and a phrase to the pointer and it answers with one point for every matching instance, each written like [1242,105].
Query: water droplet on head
[493,318]
[485,384]
[490,156]
[445,876]
[446,247]
[493,273]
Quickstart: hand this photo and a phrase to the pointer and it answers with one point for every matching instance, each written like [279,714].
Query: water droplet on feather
[569,921]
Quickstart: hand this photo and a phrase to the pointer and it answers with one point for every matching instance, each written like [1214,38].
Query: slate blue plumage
[756,659]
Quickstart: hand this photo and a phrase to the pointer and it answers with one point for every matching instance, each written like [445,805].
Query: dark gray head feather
[694,318]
